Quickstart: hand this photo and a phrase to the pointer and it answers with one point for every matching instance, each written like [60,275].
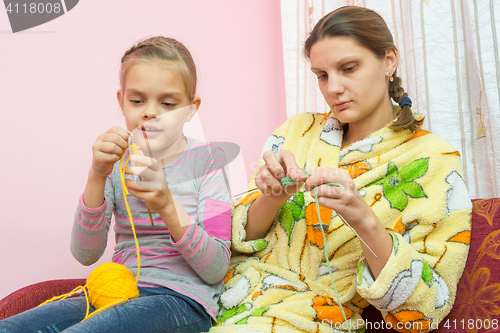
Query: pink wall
[58,85]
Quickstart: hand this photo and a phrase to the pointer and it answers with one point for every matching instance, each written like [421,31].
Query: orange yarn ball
[111,283]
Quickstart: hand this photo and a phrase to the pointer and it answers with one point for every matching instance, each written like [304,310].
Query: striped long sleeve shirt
[194,265]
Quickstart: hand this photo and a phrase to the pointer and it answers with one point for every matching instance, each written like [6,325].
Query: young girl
[184,249]
[369,164]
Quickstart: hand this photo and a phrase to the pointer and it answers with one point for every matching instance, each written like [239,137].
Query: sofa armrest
[35,294]
[477,304]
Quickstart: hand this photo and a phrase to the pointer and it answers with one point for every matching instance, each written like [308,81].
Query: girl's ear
[193,108]
[119,98]
[391,61]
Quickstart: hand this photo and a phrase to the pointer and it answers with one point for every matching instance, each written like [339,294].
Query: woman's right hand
[106,150]
[277,167]
[263,211]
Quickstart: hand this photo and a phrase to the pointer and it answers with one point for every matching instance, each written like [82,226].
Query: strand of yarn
[119,270]
[288,181]
[72,292]
[104,279]
[125,192]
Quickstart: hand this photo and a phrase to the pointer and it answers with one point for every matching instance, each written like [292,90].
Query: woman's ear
[193,108]
[391,60]
[119,98]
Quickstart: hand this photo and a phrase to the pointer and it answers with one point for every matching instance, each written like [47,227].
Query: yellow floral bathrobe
[414,184]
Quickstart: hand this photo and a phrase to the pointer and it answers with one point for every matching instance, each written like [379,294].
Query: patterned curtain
[449,65]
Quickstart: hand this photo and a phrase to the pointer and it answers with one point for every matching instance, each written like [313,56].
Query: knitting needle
[254,189]
[149,150]
[361,239]
[150,155]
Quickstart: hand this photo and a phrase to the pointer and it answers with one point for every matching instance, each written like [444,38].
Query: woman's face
[353,81]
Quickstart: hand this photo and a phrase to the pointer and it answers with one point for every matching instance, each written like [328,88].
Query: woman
[400,188]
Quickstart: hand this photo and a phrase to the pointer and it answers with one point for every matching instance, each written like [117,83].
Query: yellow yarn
[134,150]
[110,283]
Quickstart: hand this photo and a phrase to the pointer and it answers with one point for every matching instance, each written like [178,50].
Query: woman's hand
[268,179]
[377,243]
[277,167]
[152,186]
[107,149]
[348,202]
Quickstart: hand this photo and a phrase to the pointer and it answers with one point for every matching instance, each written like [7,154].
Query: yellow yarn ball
[111,283]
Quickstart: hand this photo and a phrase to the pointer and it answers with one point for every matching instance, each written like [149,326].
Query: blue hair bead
[405,100]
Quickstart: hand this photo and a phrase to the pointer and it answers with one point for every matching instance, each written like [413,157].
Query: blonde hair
[368,29]
[162,49]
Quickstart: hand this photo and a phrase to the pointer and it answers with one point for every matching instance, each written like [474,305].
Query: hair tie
[405,100]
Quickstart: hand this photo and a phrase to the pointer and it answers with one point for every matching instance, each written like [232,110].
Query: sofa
[476,308]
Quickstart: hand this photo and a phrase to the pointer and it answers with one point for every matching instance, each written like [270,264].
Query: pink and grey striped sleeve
[90,228]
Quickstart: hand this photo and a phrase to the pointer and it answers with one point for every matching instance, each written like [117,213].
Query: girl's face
[353,81]
[156,106]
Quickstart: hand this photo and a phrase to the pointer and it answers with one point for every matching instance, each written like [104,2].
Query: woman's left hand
[152,188]
[348,202]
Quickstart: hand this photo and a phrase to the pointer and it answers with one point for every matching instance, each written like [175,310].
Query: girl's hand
[277,167]
[152,188]
[107,149]
[348,202]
